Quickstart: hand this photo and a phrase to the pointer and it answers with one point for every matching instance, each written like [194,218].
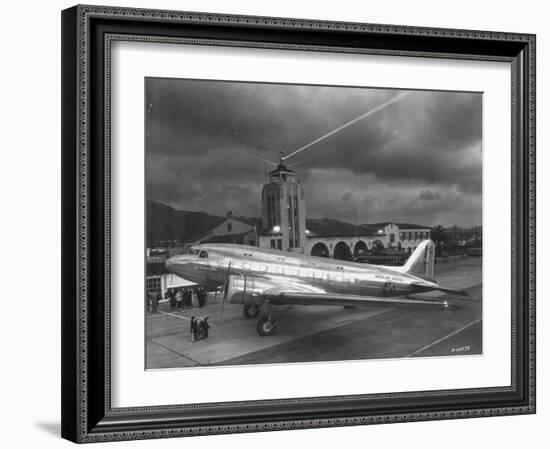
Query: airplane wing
[331,299]
[280,291]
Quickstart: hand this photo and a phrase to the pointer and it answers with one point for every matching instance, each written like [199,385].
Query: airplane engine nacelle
[241,289]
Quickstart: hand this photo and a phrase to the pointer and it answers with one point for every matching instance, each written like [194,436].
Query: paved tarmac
[325,333]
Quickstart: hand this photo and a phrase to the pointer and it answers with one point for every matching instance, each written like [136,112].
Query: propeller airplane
[259,279]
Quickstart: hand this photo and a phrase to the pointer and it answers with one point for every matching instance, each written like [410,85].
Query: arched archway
[319,250]
[342,251]
[377,245]
[359,248]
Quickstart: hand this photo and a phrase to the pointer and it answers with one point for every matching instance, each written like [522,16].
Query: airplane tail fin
[421,261]
[421,264]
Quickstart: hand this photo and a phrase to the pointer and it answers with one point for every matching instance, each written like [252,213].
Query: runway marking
[174,351]
[444,338]
[154,314]
[181,317]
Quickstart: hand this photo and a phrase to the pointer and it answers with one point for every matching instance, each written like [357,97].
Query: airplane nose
[177,264]
[171,263]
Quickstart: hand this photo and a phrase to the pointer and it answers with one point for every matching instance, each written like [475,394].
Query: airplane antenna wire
[263,160]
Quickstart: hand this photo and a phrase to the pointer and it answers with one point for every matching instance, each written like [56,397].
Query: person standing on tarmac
[201,296]
[187,298]
[172,297]
[155,302]
[205,327]
[149,300]
[179,299]
[193,328]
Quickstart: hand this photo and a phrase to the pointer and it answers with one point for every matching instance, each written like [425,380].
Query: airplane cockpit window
[203,254]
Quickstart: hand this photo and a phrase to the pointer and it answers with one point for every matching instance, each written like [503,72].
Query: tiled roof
[400,225]
[326,227]
[412,226]
[226,238]
[251,221]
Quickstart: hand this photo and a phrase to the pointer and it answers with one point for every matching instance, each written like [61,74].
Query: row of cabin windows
[293,271]
[287,271]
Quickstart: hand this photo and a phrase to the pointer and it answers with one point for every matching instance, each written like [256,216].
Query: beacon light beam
[351,122]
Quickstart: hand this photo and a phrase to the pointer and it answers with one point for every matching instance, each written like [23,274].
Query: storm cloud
[417,160]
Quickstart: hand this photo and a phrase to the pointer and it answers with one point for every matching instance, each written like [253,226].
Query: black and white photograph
[285,221]
[292,223]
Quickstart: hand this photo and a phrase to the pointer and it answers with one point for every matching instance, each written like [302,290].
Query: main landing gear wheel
[266,326]
[251,310]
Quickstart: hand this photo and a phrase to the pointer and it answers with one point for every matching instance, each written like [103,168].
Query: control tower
[284,209]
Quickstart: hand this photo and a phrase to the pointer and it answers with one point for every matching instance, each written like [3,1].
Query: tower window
[229,227]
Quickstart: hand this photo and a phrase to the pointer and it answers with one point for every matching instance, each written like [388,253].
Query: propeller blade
[226,286]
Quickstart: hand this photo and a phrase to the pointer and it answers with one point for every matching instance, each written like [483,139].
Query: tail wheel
[251,311]
[266,326]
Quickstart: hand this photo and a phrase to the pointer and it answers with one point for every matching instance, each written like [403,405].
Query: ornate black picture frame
[87,34]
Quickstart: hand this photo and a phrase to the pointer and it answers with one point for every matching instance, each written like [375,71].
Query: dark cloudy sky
[417,160]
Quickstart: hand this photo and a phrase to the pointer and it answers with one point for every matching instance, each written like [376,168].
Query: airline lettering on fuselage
[387,277]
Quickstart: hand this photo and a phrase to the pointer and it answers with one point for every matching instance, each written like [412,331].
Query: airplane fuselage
[211,264]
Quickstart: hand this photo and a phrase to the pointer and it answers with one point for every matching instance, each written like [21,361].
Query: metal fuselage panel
[210,265]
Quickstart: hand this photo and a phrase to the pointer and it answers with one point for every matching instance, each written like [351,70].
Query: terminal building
[283,226]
